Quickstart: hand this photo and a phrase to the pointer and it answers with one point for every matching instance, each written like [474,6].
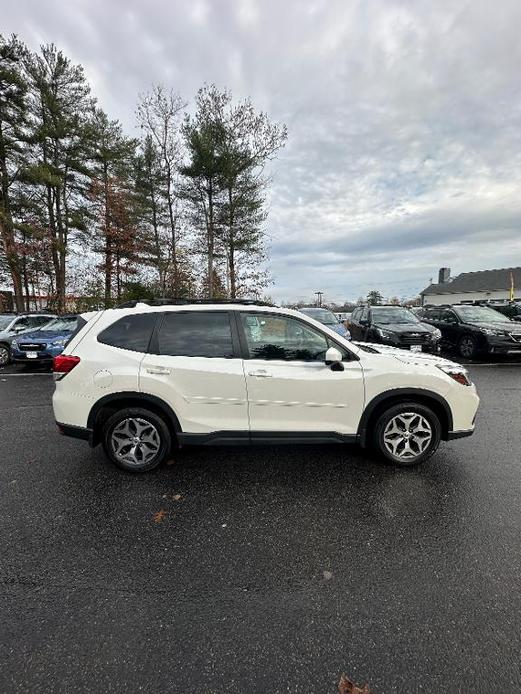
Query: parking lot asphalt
[260,570]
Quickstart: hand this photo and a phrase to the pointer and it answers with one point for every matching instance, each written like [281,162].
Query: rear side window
[131,332]
[196,334]
[80,323]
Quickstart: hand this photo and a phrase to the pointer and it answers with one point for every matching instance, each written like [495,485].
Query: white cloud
[404,120]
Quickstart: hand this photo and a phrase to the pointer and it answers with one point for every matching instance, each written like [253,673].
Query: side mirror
[334,359]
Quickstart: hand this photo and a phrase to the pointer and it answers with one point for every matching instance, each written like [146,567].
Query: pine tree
[13,119]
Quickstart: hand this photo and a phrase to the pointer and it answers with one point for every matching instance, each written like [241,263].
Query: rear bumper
[75,432]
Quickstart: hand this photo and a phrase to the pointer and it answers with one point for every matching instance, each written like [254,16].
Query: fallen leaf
[177,497]
[345,686]
[159,516]
[171,462]
[327,575]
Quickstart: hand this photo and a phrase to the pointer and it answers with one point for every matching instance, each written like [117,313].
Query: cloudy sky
[404,120]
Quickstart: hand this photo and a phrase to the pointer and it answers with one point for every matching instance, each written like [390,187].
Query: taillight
[63,364]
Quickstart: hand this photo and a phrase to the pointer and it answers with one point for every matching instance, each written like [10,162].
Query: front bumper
[451,435]
[427,347]
[503,345]
[46,355]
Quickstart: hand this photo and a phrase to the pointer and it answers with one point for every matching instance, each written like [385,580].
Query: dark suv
[474,329]
[395,326]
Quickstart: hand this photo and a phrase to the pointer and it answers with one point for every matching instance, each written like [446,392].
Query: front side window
[280,337]
[448,317]
[132,332]
[196,334]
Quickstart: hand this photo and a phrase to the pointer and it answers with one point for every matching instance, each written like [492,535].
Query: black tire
[383,443]
[140,423]
[5,355]
[467,347]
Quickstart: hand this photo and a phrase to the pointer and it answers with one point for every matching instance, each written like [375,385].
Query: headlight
[59,343]
[458,373]
[14,344]
[487,331]
[386,334]
[436,334]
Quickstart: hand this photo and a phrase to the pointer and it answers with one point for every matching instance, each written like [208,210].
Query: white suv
[142,378]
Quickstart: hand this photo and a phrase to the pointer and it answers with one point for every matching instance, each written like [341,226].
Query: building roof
[481,281]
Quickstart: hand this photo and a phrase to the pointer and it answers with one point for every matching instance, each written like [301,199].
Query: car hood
[406,356]
[45,335]
[405,327]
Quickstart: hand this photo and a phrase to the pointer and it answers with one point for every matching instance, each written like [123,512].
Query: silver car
[12,325]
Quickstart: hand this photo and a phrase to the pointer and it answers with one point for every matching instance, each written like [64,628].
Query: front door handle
[158,370]
[261,373]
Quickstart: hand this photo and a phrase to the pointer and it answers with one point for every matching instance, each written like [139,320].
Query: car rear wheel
[5,355]
[467,347]
[407,434]
[136,439]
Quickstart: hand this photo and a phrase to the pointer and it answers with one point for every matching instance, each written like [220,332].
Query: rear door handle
[261,373]
[158,370]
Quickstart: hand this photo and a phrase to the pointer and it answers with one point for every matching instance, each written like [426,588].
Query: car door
[449,324]
[290,388]
[194,364]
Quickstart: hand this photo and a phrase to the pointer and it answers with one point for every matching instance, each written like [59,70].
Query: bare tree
[159,116]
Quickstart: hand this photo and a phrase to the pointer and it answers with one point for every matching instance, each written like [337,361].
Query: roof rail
[187,302]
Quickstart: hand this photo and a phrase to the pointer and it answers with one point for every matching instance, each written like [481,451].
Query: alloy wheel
[135,441]
[466,347]
[407,435]
[4,356]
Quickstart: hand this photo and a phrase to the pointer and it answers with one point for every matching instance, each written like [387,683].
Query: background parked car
[12,325]
[394,325]
[44,344]
[510,309]
[474,330]
[327,317]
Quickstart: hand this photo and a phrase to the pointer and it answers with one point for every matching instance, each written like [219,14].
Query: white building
[483,285]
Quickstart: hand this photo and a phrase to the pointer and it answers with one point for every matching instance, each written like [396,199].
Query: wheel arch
[113,402]
[382,402]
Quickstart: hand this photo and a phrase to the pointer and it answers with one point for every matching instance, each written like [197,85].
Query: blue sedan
[326,317]
[43,344]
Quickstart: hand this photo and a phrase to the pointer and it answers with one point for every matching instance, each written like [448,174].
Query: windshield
[387,315]
[4,321]
[59,325]
[480,314]
[322,315]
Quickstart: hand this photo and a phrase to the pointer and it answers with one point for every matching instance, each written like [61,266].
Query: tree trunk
[231,248]
[108,241]
[210,239]
[7,230]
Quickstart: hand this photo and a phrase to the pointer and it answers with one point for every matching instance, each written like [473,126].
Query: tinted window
[432,314]
[196,334]
[364,314]
[448,317]
[131,332]
[281,337]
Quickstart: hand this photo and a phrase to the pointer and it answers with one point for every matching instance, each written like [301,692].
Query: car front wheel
[407,433]
[136,439]
[467,347]
[5,355]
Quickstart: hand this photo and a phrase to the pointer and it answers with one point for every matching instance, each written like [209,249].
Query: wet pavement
[260,570]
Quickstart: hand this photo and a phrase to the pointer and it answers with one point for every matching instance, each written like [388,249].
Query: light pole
[319,298]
